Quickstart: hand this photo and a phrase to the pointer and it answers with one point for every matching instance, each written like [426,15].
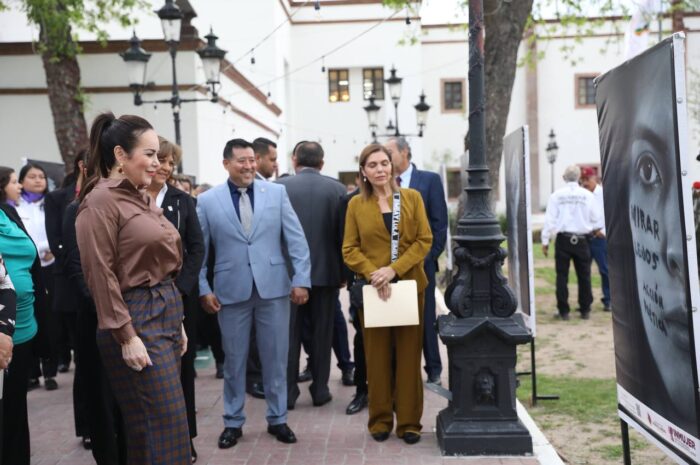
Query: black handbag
[356,298]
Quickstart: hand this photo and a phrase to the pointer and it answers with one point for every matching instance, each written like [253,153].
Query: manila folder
[401,309]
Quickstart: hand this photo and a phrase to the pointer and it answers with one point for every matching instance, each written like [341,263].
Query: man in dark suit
[316,201]
[266,167]
[430,187]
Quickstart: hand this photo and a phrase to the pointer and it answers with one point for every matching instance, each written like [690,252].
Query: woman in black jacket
[108,439]
[179,208]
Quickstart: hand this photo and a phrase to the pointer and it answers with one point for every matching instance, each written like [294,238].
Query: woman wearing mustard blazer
[367,252]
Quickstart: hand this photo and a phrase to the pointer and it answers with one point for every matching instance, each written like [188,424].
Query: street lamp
[394,84]
[372,110]
[171,21]
[421,113]
[136,60]
[552,151]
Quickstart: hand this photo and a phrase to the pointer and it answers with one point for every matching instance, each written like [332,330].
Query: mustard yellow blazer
[367,243]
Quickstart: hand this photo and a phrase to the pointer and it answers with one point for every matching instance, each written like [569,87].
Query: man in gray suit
[255,233]
[316,201]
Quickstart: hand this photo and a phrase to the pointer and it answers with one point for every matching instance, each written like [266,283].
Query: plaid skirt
[151,401]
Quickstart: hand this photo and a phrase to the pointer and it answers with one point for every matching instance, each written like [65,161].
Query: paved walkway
[325,434]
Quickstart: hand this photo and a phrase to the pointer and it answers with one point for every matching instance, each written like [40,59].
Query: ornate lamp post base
[481,418]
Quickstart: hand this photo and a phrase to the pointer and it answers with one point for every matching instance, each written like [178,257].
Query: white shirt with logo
[571,209]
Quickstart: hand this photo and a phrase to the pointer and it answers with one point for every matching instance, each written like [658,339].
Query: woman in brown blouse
[130,254]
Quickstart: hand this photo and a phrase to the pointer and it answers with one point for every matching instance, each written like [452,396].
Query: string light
[315,60]
[323,64]
[252,56]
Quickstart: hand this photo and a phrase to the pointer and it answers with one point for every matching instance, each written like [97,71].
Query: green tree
[57,21]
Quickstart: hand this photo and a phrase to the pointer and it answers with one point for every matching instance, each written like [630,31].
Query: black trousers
[66,341]
[210,334]
[15,423]
[580,253]
[358,351]
[341,348]
[46,342]
[191,308]
[80,406]
[320,309]
[103,415]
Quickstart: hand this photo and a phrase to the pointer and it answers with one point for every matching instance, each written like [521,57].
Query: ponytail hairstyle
[106,133]
[72,177]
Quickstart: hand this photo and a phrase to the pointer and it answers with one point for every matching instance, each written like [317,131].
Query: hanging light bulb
[269,98]
[317,7]
[323,64]
[408,17]
[252,56]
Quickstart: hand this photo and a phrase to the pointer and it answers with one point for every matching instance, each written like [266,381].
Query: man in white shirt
[598,243]
[572,216]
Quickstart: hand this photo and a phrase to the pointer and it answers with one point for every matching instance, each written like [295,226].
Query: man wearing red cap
[598,243]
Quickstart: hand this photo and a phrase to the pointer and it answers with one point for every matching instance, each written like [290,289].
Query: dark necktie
[398,180]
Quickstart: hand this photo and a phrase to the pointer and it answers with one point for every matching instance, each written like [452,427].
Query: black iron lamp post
[552,151]
[136,60]
[372,109]
[482,330]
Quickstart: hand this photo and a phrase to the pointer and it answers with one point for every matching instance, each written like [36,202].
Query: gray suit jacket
[260,258]
[316,200]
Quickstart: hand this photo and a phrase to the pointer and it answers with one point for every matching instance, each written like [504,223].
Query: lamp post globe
[136,60]
[372,110]
[422,109]
[212,56]
[552,152]
[394,83]
[552,148]
[171,21]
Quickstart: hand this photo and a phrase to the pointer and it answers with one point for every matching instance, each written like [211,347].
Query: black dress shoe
[283,433]
[50,384]
[87,442]
[357,403]
[324,401]
[348,377]
[304,376]
[229,436]
[63,368]
[33,383]
[219,371]
[586,315]
[193,452]
[409,437]
[380,437]
[435,380]
[257,390]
